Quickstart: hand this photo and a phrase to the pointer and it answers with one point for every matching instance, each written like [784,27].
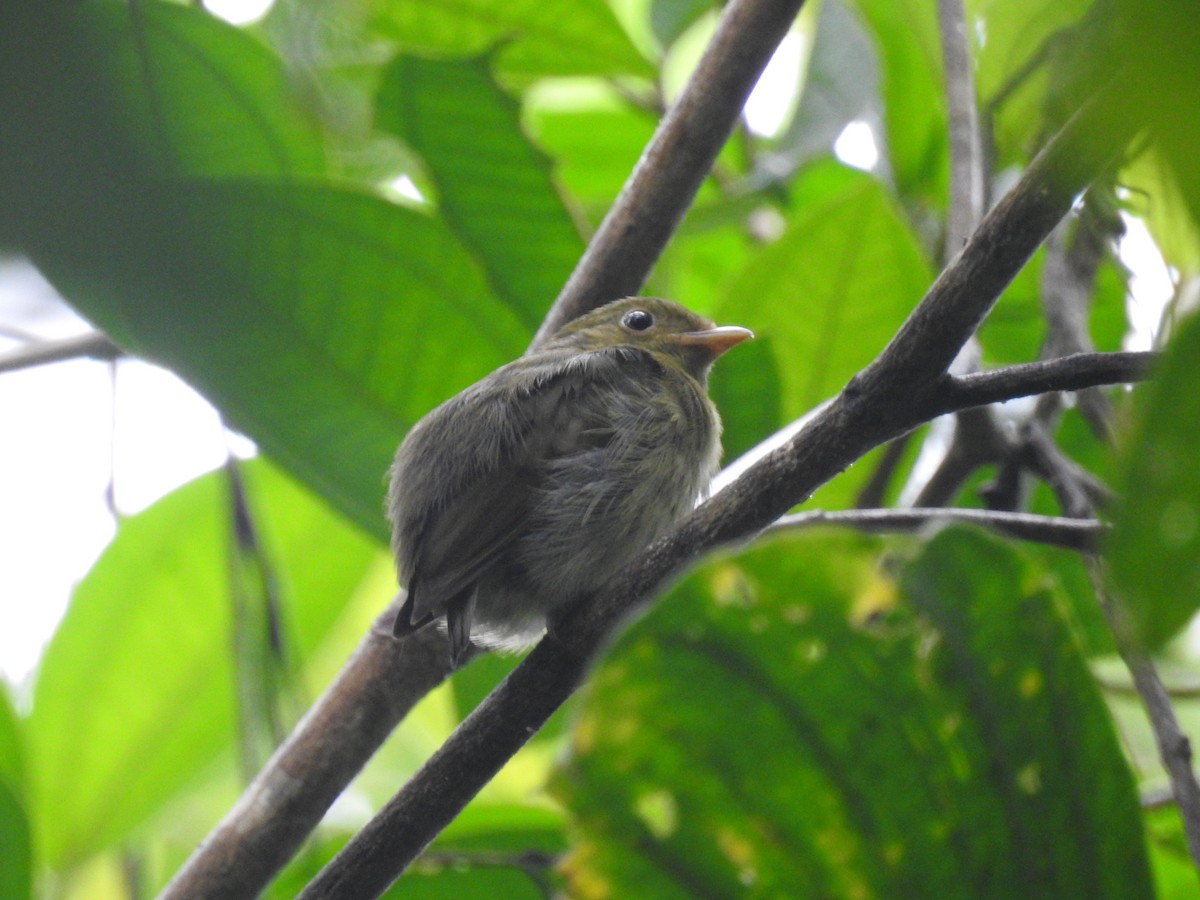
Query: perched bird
[533,486]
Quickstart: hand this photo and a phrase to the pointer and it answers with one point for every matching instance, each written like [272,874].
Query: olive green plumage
[533,486]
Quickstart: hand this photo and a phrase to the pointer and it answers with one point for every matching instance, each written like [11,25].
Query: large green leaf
[322,322]
[1017,46]
[203,97]
[831,292]
[495,189]
[914,111]
[778,727]
[1155,545]
[16,864]
[134,693]
[536,37]
[594,137]
[16,852]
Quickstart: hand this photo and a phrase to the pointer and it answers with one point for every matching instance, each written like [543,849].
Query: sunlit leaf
[780,726]
[494,188]
[134,694]
[16,856]
[830,293]
[205,98]
[322,322]
[1155,548]
[914,112]
[536,37]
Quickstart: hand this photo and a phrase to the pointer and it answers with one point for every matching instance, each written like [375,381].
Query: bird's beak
[716,340]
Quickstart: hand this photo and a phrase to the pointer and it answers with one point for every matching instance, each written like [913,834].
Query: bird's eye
[637,320]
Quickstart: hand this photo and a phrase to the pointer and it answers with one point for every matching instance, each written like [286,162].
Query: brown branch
[1074,534]
[93,345]
[1174,748]
[675,163]
[962,120]
[1067,373]
[377,687]
[885,400]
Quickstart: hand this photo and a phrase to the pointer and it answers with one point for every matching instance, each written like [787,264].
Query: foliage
[814,716]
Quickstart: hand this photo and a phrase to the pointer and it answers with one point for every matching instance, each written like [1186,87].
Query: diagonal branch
[675,163]
[886,399]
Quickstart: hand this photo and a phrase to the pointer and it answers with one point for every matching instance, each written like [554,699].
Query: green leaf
[495,189]
[1155,546]
[746,389]
[778,727]
[16,853]
[593,136]
[202,97]
[914,113]
[16,864]
[1014,37]
[322,323]
[134,694]
[536,37]
[831,292]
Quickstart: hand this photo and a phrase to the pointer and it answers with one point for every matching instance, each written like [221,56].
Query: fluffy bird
[533,486]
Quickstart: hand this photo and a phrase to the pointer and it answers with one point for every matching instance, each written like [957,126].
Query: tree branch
[1174,748]
[1073,534]
[1067,373]
[885,400]
[962,120]
[93,345]
[377,687]
[678,158]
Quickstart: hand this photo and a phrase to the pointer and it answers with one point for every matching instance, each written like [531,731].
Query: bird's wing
[462,535]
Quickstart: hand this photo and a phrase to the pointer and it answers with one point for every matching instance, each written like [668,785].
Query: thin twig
[1174,748]
[1073,534]
[962,120]
[1067,373]
[886,399]
[93,345]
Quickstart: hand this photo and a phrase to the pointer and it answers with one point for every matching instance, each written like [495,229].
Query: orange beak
[716,340]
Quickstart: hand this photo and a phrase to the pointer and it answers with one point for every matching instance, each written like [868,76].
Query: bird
[533,486]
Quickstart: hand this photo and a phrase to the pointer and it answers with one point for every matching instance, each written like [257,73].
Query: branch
[377,687]
[885,400]
[678,158]
[1074,534]
[93,345]
[962,120]
[1067,373]
[1174,748]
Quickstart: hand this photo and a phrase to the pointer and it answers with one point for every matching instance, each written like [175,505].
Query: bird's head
[658,326]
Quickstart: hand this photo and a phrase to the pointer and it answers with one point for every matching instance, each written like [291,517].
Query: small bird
[533,486]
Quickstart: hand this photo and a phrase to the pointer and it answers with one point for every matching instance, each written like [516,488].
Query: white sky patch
[856,146]
[774,97]
[239,12]
[64,443]
[1150,284]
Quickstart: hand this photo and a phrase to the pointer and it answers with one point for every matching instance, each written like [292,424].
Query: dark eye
[637,320]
